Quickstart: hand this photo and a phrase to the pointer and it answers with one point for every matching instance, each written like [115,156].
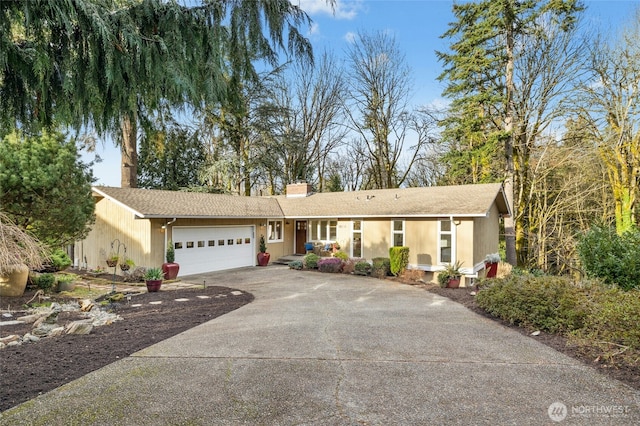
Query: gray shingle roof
[148,203]
[461,200]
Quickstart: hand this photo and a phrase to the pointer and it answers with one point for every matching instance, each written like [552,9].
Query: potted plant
[19,251]
[170,267]
[126,264]
[491,264]
[112,260]
[450,276]
[66,282]
[263,256]
[153,278]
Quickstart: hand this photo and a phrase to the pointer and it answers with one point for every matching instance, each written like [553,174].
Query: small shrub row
[330,264]
[381,267]
[590,312]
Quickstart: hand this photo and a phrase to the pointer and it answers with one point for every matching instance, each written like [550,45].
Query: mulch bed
[622,371]
[31,369]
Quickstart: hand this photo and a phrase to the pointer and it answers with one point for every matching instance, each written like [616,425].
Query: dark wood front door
[301,236]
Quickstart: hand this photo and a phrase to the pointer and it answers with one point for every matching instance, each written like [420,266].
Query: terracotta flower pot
[453,282]
[263,259]
[153,285]
[170,270]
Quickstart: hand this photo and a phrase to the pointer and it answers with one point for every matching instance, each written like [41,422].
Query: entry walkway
[329,349]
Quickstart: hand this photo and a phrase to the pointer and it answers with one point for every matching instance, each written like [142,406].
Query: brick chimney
[299,189]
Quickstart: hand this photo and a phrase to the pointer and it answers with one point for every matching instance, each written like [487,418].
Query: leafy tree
[610,107]
[171,156]
[480,76]
[106,62]
[46,189]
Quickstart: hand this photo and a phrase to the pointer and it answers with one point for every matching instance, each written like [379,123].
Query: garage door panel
[205,249]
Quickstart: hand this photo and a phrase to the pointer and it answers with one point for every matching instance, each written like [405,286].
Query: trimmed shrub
[553,304]
[296,264]
[362,267]
[341,255]
[330,264]
[398,260]
[613,258]
[45,281]
[381,267]
[613,318]
[311,260]
[60,260]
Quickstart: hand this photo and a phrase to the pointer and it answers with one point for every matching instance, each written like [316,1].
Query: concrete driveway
[328,349]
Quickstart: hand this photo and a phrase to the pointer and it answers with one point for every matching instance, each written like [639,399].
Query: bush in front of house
[611,257]
[601,319]
[311,261]
[362,267]
[612,319]
[548,303]
[60,260]
[381,267]
[398,260]
[296,264]
[45,281]
[341,255]
[330,264]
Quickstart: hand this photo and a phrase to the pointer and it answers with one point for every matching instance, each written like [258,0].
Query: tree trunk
[509,222]
[129,150]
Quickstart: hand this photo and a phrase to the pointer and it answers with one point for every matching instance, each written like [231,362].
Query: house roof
[151,203]
[434,201]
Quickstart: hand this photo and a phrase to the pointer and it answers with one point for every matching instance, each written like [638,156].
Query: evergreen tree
[46,189]
[479,72]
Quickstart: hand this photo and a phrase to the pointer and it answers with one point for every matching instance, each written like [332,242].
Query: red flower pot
[170,270]
[153,285]
[453,282]
[492,269]
[263,259]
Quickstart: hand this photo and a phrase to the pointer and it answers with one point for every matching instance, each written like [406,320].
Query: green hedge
[613,258]
[398,259]
[381,267]
[596,314]
[311,260]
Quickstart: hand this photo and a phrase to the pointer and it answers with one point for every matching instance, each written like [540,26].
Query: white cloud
[314,29]
[343,9]
[350,37]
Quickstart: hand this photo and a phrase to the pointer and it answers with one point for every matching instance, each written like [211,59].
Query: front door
[301,236]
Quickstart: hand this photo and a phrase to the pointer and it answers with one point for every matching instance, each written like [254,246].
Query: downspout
[165,227]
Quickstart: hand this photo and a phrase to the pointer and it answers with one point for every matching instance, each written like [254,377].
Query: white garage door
[213,248]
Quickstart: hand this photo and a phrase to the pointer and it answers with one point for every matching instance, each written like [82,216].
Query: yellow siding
[421,236]
[376,237]
[115,225]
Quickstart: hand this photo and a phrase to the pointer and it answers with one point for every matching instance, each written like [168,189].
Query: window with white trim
[445,242]
[397,233]
[323,230]
[274,231]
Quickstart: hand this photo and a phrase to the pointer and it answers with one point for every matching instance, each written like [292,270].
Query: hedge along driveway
[316,348]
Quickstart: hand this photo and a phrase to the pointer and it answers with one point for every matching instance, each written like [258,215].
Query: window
[274,230]
[397,233]
[201,244]
[212,243]
[323,230]
[356,239]
[445,245]
[177,246]
[189,244]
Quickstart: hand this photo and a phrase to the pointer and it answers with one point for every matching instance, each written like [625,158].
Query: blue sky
[416,26]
